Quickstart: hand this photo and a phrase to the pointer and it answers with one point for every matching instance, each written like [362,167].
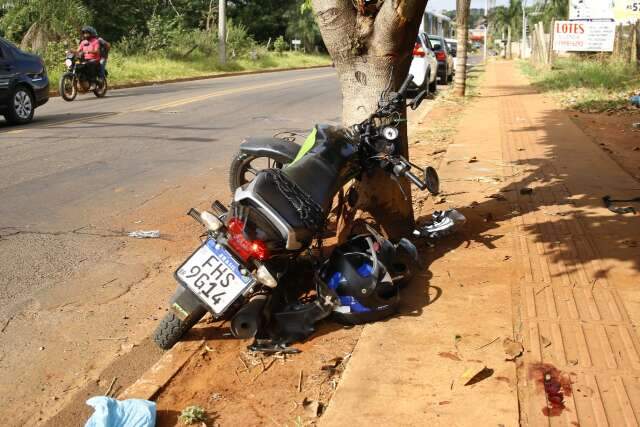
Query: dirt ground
[615,134]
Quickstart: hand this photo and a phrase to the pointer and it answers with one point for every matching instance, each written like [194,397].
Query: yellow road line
[179,102]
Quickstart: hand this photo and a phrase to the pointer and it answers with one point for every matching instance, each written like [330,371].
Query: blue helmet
[364,287]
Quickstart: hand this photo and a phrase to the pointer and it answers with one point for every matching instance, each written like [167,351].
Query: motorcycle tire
[102,91]
[64,94]
[433,86]
[241,166]
[171,329]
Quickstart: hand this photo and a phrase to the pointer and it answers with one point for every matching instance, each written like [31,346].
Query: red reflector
[441,56]
[244,247]
[417,50]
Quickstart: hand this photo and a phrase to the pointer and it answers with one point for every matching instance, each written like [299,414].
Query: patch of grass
[135,69]
[586,84]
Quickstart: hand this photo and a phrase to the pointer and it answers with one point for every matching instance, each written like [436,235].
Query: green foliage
[587,83]
[280,45]
[37,22]
[162,32]
[302,25]
[192,415]
[504,17]
[239,41]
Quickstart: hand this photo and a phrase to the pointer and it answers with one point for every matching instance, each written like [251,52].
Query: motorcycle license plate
[214,276]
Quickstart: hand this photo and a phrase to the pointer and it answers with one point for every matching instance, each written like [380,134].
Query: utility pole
[486,32]
[222,32]
[523,42]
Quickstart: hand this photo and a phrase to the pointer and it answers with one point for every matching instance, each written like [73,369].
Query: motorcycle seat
[265,186]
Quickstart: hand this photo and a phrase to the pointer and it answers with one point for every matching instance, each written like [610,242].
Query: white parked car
[424,66]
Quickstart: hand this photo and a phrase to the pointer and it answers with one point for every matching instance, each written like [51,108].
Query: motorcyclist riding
[89,48]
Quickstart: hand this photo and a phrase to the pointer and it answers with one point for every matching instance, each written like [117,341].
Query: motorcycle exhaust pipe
[247,321]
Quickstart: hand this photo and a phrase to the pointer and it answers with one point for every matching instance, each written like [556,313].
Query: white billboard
[583,36]
[627,10]
[591,9]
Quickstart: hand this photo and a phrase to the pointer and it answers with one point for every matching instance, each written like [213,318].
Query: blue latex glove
[110,412]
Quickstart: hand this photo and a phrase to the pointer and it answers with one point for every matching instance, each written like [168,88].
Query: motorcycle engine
[84,85]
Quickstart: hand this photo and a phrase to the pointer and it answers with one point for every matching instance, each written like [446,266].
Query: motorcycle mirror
[432,180]
[415,102]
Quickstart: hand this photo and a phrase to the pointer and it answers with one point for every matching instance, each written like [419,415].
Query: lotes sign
[583,36]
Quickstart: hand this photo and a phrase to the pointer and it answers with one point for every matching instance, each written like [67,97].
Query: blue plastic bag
[635,100]
[110,412]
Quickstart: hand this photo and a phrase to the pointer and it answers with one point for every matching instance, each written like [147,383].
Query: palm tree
[38,22]
[507,19]
[554,10]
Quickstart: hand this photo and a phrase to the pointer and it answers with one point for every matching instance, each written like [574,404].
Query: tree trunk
[462,31]
[371,47]
[508,46]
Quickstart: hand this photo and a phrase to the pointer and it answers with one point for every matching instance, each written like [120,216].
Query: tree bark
[508,46]
[462,33]
[371,44]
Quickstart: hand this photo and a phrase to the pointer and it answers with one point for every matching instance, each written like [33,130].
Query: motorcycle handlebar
[417,181]
[405,84]
[193,213]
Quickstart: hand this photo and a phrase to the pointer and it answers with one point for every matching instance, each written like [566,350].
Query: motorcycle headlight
[68,63]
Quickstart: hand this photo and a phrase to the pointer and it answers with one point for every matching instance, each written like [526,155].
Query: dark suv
[24,84]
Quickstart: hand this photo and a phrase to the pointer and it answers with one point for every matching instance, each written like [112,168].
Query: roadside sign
[296,42]
[583,36]
[627,10]
[591,9]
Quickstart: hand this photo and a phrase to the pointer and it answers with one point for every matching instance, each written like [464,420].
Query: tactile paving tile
[571,320]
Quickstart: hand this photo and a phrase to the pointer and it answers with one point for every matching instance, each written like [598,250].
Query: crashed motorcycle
[81,76]
[241,270]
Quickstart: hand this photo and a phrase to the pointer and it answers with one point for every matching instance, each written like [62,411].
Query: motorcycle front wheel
[171,328]
[101,88]
[245,167]
[67,88]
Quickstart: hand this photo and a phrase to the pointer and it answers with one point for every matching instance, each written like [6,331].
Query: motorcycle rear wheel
[245,167]
[101,90]
[67,88]
[171,328]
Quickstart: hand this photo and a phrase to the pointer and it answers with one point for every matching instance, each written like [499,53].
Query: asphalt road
[82,162]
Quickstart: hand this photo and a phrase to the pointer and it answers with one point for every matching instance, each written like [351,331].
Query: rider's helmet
[362,283]
[90,30]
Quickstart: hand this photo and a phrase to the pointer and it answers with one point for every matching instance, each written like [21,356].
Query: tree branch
[337,20]
[396,14]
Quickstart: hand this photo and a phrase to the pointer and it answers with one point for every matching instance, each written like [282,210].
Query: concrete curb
[55,93]
[156,377]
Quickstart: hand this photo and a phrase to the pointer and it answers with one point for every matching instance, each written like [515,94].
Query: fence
[626,45]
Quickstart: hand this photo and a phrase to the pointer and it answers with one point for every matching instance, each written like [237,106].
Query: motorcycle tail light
[418,51]
[244,247]
[441,56]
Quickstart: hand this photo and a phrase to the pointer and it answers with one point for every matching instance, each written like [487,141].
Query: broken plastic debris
[475,373]
[512,349]
[145,234]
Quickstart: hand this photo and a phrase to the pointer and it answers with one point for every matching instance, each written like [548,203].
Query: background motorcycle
[274,218]
[81,76]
